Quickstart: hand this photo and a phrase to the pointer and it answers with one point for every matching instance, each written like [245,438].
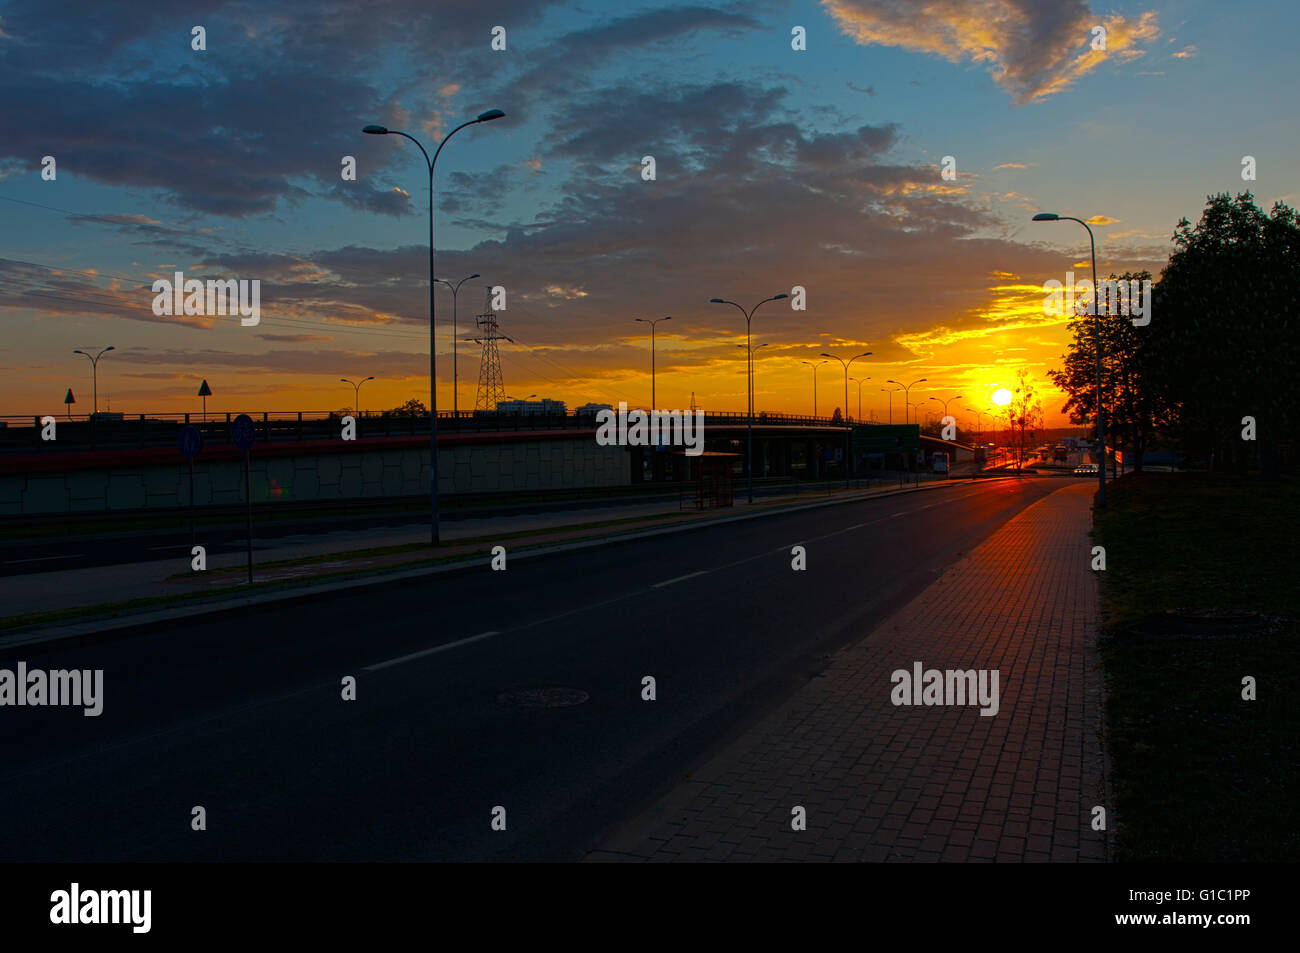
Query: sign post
[69,400]
[244,432]
[205,392]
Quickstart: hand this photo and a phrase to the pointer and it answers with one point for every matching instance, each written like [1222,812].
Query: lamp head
[716,301]
[1046,217]
[490,114]
[375,130]
[779,297]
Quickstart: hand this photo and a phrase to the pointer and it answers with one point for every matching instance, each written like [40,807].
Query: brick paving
[881,782]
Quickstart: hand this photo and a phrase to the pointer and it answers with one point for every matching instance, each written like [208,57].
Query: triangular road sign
[204,389]
[68,398]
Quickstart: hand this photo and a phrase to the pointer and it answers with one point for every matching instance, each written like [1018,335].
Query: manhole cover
[1205,624]
[543,698]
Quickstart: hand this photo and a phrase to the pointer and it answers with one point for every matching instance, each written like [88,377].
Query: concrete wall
[321,475]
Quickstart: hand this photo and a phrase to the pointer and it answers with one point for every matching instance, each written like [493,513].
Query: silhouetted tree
[1131,401]
[1224,332]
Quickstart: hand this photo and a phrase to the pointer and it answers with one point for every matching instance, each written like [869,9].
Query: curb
[74,631]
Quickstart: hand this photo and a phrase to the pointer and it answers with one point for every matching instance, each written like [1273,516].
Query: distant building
[532,408]
[591,410]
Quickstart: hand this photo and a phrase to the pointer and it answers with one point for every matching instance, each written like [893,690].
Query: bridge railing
[23,433]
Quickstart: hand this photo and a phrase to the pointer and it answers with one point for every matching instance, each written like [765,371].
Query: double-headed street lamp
[890,391]
[652,323]
[455,377]
[906,394]
[356,391]
[860,381]
[814,367]
[848,430]
[979,421]
[1096,314]
[945,402]
[94,372]
[433,372]
[749,438]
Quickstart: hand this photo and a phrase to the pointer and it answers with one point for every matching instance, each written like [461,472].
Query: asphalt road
[242,712]
[27,556]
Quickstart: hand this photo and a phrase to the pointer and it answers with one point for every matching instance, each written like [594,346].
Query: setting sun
[1001,397]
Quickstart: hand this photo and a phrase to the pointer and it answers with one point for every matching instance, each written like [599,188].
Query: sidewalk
[926,783]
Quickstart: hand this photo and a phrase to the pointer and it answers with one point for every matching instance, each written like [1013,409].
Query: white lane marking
[41,559]
[689,575]
[437,648]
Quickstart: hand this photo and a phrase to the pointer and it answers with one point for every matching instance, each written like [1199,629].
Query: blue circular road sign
[191,441]
[243,432]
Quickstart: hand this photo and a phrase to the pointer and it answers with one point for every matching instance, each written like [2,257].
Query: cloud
[1031,48]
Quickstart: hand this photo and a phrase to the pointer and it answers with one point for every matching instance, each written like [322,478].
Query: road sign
[243,432]
[190,441]
[68,398]
[204,389]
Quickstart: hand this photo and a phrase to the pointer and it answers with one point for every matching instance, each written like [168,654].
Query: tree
[1132,407]
[412,408]
[1224,333]
[1024,412]
[837,417]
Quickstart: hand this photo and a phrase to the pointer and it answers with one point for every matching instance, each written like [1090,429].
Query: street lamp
[814,367]
[433,373]
[979,420]
[652,323]
[1101,416]
[848,430]
[860,381]
[356,392]
[94,373]
[906,393]
[749,426]
[455,377]
[890,392]
[945,402]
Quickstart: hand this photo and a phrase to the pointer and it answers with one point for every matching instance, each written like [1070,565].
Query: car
[1086,469]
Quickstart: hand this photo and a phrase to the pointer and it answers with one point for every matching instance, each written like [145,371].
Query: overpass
[134,463]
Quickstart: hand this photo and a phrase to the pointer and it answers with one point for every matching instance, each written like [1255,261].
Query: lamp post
[860,381]
[375,130]
[945,403]
[455,376]
[652,323]
[749,426]
[94,373]
[906,394]
[890,392]
[356,392]
[979,421]
[814,367]
[848,429]
[1101,415]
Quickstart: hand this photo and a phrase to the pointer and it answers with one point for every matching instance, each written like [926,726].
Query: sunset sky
[775,168]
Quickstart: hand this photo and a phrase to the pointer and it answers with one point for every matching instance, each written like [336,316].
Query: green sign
[886,438]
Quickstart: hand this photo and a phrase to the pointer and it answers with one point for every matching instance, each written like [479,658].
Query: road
[242,713]
[334,532]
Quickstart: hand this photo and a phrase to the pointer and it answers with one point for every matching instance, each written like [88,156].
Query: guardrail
[22,433]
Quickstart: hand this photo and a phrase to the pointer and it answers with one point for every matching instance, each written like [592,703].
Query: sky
[775,168]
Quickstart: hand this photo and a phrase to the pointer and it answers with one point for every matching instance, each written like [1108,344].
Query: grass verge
[1199,773]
